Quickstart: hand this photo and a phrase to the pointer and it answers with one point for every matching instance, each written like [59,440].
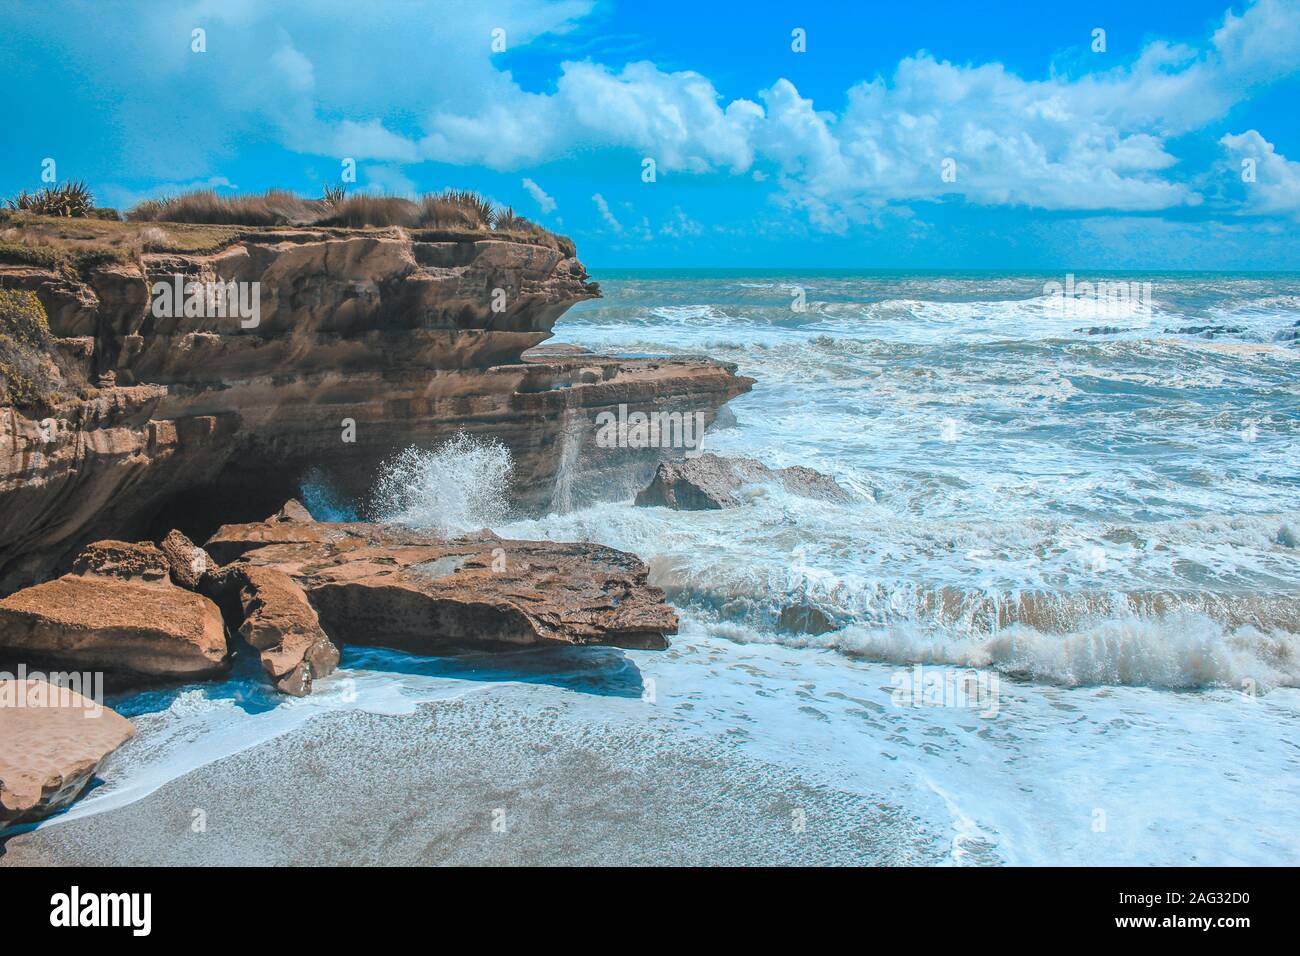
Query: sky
[1104,135]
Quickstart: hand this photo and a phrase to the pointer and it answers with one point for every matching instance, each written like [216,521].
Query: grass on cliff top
[28,377]
[76,244]
[452,214]
[201,223]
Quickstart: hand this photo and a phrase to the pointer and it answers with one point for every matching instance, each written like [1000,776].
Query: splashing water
[460,486]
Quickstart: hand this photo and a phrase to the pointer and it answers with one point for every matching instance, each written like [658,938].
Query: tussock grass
[275,207]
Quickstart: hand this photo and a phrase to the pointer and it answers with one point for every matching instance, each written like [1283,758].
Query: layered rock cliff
[366,342]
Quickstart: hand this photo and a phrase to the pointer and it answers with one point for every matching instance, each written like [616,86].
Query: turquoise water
[1090,518]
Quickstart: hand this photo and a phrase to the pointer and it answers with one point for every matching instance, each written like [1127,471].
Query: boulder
[117,611]
[186,561]
[52,740]
[804,619]
[293,510]
[281,624]
[710,482]
[425,593]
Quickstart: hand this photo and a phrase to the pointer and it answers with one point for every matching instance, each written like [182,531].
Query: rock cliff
[365,342]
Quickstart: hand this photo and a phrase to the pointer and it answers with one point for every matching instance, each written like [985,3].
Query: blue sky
[1059,156]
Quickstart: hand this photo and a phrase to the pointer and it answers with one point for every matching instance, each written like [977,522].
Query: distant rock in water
[52,740]
[1208,331]
[1103,330]
[710,482]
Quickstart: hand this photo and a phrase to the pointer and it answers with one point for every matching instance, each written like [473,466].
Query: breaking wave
[462,485]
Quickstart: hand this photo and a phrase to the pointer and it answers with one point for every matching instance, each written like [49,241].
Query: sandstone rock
[122,559]
[393,331]
[186,561]
[709,482]
[117,612]
[420,592]
[51,742]
[293,510]
[281,624]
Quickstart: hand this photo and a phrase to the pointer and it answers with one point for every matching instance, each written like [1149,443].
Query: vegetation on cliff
[27,375]
[71,199]
[459,211]
[44,231]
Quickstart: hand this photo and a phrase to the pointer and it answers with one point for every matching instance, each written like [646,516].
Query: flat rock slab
[52,741]
[132,625]
[709,482]
[417,591]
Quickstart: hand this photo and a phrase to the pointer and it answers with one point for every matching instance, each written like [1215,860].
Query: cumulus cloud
[1096,142]
[1104,140]
[1269,183]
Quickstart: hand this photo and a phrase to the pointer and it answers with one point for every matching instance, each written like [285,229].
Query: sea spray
[462,485]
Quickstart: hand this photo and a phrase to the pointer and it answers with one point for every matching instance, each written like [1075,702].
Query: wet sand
[475,780]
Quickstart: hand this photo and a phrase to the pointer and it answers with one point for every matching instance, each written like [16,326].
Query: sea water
[1091,515]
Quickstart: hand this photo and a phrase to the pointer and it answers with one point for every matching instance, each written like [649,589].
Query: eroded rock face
[52,740]
[416,591]
[394,335]
[281,624]
[710,482]
[119,612]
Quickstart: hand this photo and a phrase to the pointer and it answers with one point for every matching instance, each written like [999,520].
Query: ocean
[1059,622]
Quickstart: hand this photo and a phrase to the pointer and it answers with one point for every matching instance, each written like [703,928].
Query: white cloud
[1103,140]
[603,208]
[1275,189]
[540,196]
[1098,142]
[294,68]
[388,180]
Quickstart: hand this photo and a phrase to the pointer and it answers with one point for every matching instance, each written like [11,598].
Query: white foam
[462,485]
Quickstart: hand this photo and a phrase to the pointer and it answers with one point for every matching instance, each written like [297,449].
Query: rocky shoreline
[155,426]
[367,342]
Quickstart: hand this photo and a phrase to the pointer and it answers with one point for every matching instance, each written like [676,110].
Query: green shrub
[69,199]
[27,374]
[21,254]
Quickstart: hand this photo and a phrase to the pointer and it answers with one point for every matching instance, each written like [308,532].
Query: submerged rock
[421,592]
[804,619]
[710,482]
[117,611]
[52,740]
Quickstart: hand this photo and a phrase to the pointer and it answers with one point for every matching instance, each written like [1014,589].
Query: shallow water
[1063,604]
